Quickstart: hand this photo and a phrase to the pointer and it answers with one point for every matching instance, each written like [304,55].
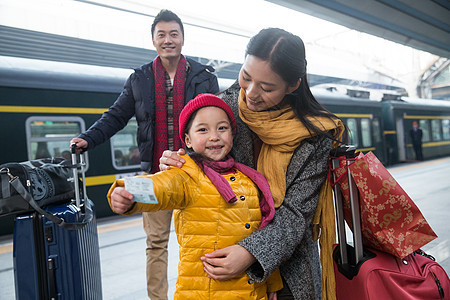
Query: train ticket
[142,189]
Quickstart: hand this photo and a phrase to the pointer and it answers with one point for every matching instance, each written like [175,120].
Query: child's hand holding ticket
[142,189]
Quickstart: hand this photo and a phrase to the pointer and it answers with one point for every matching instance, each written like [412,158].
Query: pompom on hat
[203,100]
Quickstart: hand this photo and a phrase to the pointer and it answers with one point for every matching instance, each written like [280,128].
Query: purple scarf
[213,169]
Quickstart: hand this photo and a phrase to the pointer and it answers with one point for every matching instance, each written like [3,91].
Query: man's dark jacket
[138,98]
[416,136]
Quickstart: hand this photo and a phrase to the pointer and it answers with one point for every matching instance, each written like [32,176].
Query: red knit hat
[203,100]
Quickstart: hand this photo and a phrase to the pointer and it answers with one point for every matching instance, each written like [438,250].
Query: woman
[286,135]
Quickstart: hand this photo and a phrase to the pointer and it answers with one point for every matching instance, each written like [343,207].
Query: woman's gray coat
[286,243]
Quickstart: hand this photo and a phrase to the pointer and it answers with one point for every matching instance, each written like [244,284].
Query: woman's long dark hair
[286,54]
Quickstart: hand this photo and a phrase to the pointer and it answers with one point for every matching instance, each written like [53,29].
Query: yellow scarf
[281,133]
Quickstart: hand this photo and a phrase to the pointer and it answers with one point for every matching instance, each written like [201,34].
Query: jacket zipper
[439,286]
[27,178]
[428,267]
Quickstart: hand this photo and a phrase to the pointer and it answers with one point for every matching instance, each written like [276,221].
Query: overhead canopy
[424,25]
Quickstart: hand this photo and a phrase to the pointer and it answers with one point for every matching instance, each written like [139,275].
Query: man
[156,93]
[416,138]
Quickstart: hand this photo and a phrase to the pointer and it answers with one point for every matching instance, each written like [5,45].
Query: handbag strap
[88,214]
[6,191]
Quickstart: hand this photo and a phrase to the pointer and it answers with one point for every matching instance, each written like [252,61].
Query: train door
[401,146]
[380,149]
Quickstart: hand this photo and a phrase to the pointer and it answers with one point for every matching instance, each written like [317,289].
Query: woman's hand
[227,263]
[121,200]
[171,158]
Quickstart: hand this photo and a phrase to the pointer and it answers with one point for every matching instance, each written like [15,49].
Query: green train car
[44,104]
[383,125]
[434,119]
[363,118]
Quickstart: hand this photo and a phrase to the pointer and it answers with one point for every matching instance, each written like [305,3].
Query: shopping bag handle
[347,151]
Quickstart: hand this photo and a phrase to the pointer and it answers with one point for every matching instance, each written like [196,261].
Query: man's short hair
[166,15]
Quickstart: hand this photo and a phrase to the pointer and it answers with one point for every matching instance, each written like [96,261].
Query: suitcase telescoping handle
[349,152]
[73,147]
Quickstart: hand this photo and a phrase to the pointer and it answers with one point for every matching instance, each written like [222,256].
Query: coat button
[232,178]
[242,198]
[250,281]
[247,225]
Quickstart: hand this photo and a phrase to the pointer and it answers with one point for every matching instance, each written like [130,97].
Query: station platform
[122,239]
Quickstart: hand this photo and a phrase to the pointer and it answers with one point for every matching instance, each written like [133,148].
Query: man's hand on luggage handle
[80,144]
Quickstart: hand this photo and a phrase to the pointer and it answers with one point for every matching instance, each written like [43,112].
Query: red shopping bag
[390,220]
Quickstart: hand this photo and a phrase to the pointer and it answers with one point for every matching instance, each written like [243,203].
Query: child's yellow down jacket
[204,222]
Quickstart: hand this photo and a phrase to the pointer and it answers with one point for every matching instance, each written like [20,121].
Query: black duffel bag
[47,180]
[32,185]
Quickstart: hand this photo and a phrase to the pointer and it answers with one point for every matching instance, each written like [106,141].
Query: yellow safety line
[118,226]
[425,117]
[432,144]
[354,115]
[51,110]
[366,149]
[85,110]
[6,248]
[99,180]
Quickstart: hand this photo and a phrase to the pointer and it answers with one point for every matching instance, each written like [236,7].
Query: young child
[217,202]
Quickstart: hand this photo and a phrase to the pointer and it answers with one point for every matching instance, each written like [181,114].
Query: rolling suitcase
[363,273]
[56,251]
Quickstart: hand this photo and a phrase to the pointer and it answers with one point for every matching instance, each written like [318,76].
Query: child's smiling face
[210,134]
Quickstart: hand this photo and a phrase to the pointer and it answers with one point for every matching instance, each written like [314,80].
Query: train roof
[32,73]
[345,95]
[44,74]
[418,103]
[333,97]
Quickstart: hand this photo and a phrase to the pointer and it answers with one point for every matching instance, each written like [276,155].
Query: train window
[124,147]
[365,133]
[436,130]
[353,128]
[425,126]
[446,129]
[50,136]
